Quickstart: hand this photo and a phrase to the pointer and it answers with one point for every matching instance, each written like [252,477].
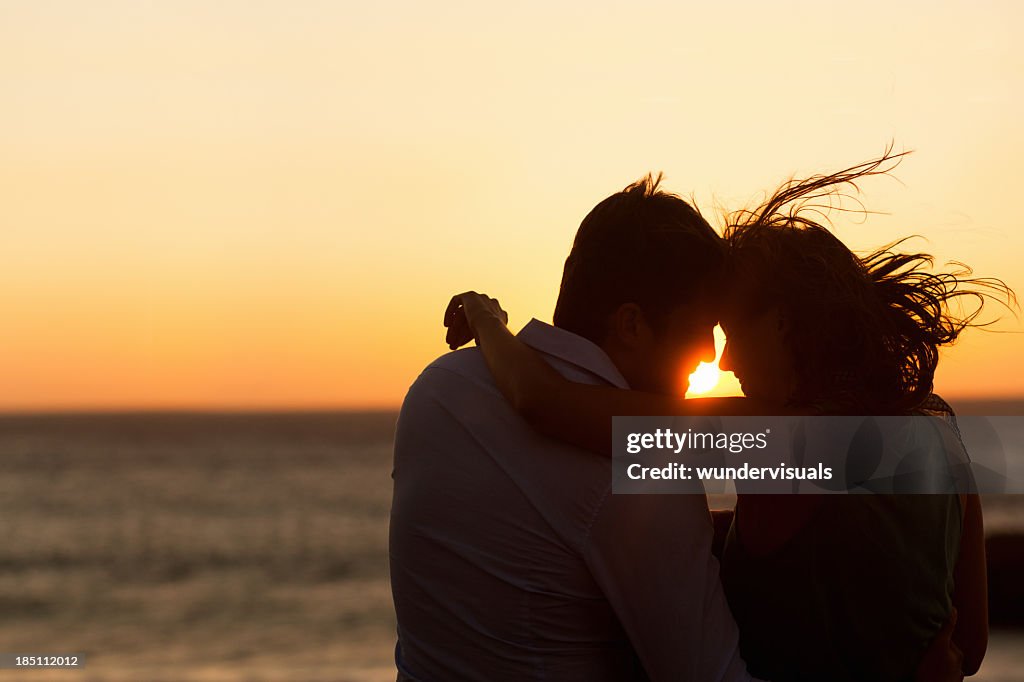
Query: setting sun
[708,379]
[704,379]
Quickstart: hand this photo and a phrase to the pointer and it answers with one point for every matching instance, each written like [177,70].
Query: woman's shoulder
[935,406]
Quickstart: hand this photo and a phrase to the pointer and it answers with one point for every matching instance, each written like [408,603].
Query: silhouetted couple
[511,559]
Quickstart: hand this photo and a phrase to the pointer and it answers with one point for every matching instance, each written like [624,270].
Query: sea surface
[211,547]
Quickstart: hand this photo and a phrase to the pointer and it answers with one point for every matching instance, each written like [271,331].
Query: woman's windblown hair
[865,331]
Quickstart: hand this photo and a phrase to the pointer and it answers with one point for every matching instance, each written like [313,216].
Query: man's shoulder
[463,367]
[464,360]
[451,378]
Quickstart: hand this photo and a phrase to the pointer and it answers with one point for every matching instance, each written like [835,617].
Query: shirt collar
[571,348]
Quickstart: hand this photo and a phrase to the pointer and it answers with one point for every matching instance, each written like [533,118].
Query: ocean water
[223,547]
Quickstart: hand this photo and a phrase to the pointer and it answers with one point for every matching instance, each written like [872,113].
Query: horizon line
[69,410]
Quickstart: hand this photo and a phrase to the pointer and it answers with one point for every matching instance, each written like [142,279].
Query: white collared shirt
[512,560]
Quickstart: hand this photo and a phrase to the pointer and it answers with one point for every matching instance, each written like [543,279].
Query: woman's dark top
[857,594]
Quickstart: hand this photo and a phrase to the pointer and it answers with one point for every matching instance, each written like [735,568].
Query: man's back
[504,563]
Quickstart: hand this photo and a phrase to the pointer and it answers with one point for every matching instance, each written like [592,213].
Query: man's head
[639,283]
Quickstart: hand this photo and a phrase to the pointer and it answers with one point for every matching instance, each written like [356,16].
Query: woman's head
[808,321]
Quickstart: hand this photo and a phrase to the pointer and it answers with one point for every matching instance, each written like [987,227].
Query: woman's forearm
[580,414]
[523,377]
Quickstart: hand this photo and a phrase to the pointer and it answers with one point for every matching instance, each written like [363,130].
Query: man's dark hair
[641,245]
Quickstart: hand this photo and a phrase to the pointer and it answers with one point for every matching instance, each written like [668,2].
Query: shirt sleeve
[651,556]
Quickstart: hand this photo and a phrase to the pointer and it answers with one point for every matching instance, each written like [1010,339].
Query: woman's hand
[466,312]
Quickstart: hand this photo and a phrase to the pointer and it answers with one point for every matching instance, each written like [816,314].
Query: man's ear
[628,326]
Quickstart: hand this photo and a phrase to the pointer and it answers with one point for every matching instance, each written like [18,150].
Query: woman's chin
[749,390]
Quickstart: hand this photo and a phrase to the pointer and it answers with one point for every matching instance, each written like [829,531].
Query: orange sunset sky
[241,204]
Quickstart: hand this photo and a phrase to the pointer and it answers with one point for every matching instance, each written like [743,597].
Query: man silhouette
[510,557]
